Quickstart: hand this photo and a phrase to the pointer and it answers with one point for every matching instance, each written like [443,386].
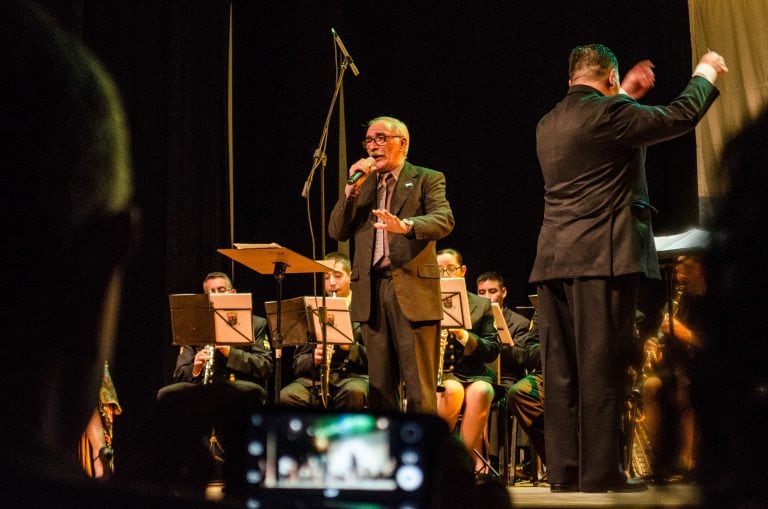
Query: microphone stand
[319,160]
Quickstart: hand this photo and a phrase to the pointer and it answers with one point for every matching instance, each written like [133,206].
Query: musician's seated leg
[251,394]
[687,425]
[651,390]
[449,402]
[477,405]
[670,431]
[350,393]
[297,394]
[525,399]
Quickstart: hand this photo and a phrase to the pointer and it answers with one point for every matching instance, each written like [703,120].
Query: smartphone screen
[332,459]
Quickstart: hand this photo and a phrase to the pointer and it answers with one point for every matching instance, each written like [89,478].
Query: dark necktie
[380,240]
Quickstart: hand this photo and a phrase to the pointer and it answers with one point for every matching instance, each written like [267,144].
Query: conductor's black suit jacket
[591,148]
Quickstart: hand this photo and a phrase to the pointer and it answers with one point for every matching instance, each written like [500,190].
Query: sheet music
[501,324]
[221,318]
[240,245]
[338,323]
[455,303]
[681,243]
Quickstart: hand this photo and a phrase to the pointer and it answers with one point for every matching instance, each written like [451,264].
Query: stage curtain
[736,30]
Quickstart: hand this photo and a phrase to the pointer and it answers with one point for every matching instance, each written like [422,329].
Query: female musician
[466,379]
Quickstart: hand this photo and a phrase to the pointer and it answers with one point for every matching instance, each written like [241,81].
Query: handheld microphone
[358,174]
[344,52]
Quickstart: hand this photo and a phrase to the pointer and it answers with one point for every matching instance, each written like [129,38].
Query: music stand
[278,261]
[293,320]
[501,324]
[302,314]
[338,323]
[455,303]
[668,249]
[217,318]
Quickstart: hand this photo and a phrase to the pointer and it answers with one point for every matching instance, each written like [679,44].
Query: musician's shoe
[484,477]
[663,479]
[628,486]
[522,473]
[563,487]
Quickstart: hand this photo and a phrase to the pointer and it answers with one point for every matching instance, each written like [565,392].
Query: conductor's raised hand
[639,80]
[715,60]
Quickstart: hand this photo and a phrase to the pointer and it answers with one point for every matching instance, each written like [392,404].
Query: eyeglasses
[449,270]
[379,139]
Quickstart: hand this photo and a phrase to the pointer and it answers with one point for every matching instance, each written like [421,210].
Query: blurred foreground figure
[68,228]
[729,381]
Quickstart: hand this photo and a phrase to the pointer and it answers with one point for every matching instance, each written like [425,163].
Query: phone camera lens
[409,457]
[411,432]
[409,478]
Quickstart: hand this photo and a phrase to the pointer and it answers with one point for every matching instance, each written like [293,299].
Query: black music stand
[278,261]
[294,325]
[210,319]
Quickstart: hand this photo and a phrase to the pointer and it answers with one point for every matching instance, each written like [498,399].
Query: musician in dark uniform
[348,370]
[204,410]
[245,368]
[668,415]
[467,380]
[520,363]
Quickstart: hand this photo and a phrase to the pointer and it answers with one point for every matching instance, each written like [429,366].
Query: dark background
[470,79]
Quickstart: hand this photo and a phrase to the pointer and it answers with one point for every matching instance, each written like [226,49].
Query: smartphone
[323,458]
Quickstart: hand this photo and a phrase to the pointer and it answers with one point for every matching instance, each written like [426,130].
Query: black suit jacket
[419,196]
[252,363]
[591,148]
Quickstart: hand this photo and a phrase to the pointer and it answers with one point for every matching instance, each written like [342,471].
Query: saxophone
[440,359]
[327,364]
[208,370]
[640,445]
[652,359]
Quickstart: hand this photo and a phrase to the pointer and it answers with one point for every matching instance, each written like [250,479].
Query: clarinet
[208,371]
[441,358]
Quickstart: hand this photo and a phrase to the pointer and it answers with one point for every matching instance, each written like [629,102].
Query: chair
[505,433]
[495,440]
[511,452]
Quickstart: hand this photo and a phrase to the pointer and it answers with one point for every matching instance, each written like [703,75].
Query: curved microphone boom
[344,52]
[358,174]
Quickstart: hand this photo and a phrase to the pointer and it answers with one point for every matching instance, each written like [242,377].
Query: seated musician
[521,373]
[245,368]
[467,381]
[669,417]
[202,411]
[348,376]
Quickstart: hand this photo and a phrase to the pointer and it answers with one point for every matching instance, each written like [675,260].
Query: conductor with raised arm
[395,213]
[594,248]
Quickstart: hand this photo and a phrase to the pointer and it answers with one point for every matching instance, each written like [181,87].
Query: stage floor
[673,495]
[526,495]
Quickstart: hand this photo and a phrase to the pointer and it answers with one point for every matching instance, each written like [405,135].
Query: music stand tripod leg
[277,342]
